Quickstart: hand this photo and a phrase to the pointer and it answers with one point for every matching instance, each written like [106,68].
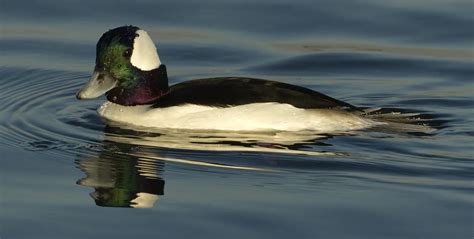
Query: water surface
[66,174]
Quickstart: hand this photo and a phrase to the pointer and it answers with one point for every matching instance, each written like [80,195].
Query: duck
[130,73]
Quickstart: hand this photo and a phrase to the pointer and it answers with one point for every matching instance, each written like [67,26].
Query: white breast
[250,117]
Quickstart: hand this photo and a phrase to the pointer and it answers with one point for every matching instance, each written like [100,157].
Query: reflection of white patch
[250,117]
[144,200]
[144,55]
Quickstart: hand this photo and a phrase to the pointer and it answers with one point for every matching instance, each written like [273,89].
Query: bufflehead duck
[129,72]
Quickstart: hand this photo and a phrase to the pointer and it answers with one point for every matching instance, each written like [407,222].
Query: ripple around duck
[40,113]
[32,102]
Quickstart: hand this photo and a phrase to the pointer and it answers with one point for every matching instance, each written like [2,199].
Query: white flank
[144,55]
[251,117]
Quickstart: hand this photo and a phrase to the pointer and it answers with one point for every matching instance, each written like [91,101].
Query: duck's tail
[401,120]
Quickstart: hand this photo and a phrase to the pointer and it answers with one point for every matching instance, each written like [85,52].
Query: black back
[233,91]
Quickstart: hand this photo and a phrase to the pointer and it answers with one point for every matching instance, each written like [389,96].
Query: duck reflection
[121,179]
[127,170]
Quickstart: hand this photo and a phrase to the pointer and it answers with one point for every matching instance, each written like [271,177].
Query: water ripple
[32,103]
[354,64]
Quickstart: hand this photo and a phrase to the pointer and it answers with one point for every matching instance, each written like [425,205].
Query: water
[65,174]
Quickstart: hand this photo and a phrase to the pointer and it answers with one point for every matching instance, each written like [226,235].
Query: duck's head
[127,69]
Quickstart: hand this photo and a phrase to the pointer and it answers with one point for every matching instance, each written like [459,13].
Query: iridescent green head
[128,69]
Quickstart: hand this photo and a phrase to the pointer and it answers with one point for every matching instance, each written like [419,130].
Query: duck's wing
[233,91]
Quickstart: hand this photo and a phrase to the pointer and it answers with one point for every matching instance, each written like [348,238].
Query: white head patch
[144,55]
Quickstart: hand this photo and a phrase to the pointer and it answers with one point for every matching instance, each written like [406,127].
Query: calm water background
[55,151]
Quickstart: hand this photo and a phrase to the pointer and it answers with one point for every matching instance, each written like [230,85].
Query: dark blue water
[66,174]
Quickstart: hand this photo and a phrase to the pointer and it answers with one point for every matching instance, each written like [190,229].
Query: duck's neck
[151,86]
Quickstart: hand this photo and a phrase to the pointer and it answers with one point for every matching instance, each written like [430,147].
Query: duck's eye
[127,52]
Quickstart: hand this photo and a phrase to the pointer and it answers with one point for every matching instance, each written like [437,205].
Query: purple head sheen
[146,92]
